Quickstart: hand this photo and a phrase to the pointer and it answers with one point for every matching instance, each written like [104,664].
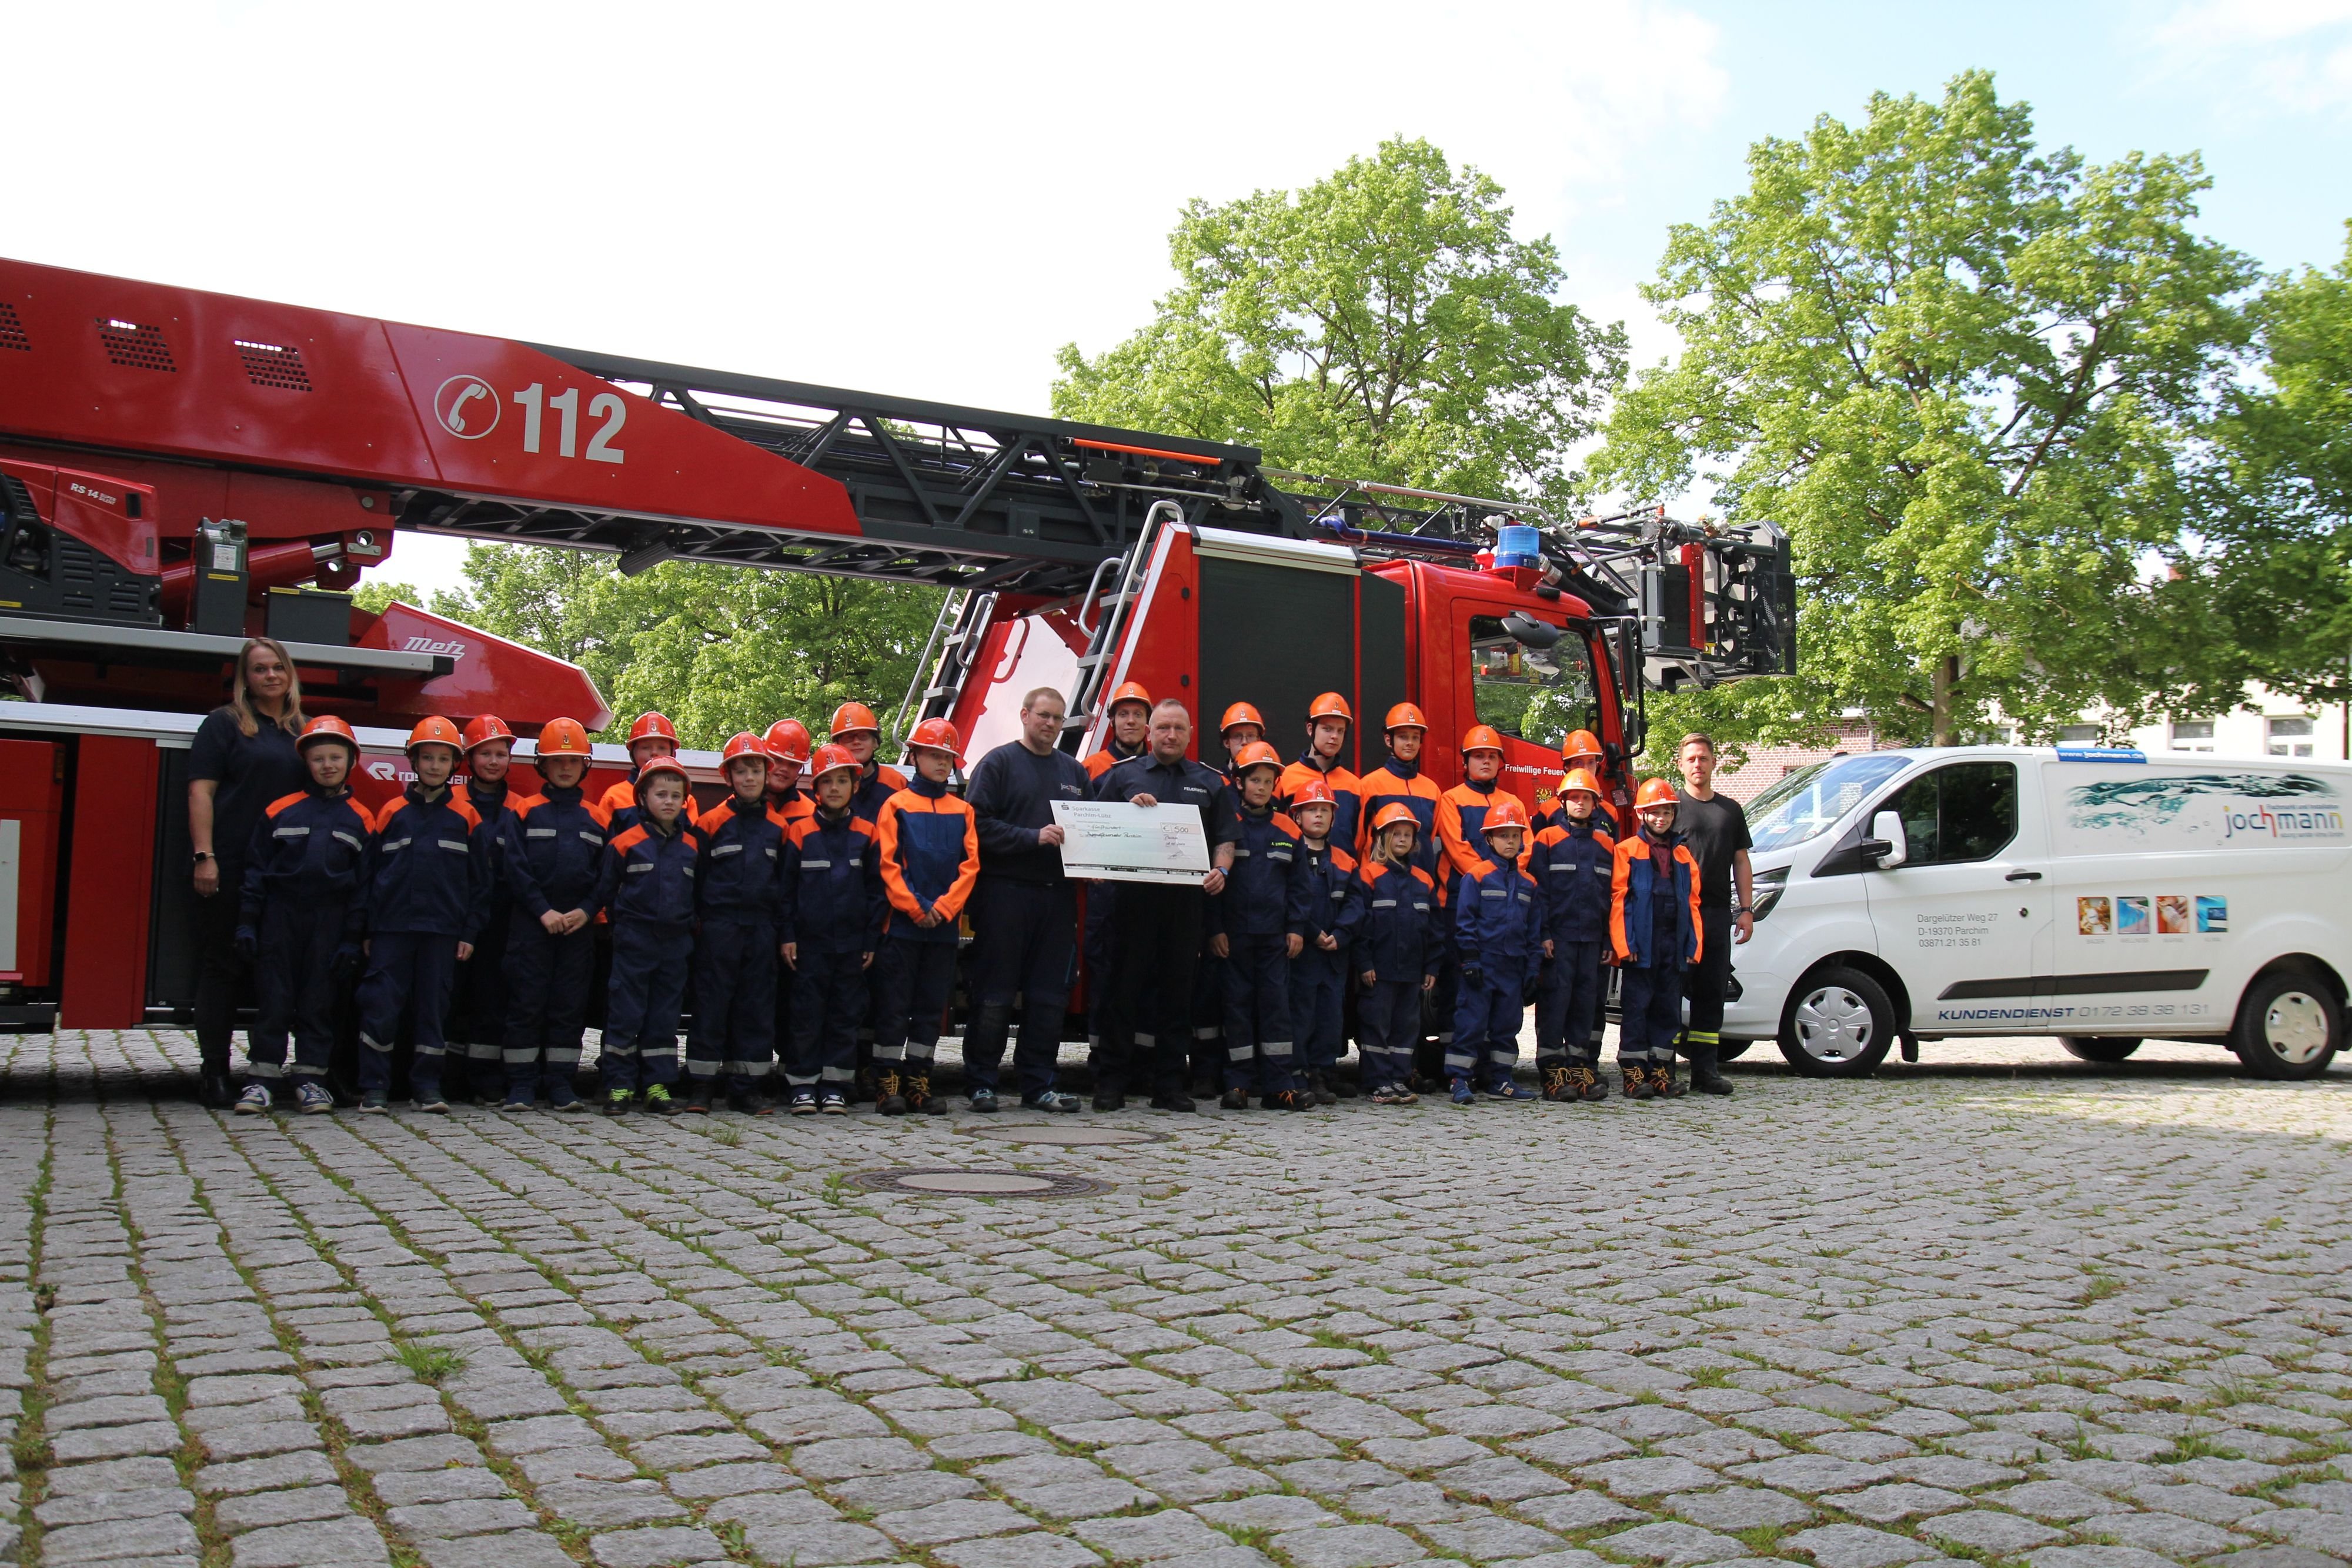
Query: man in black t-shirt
[1714,827]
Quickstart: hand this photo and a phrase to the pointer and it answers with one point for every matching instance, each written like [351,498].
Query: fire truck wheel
[1840,1023]
[2289,1025]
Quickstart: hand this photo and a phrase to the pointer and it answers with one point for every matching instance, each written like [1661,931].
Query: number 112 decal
[606,406]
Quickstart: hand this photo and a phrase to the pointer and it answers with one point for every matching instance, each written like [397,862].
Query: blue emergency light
[1517,544]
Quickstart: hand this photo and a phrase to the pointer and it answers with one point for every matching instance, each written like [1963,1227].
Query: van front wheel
[2097,1047]
[2288,1026]
[1840,1023]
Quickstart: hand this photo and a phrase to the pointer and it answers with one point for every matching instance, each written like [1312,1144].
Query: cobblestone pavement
[2016,1309]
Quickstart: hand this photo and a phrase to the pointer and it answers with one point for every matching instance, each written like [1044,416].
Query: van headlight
[1769,887]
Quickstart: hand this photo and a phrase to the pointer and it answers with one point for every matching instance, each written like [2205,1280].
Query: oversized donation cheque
[1111,840]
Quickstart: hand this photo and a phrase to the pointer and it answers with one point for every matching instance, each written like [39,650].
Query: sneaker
[1556,1084]
[833,1103]
[561,1098]
[375,1103]
[1637,1081]
[888,1099]
[1048,1100]
[1388,1094]
[1171,1100]
[697,1100]
[255,1100]
[427,1098]
[803,1102]
[312,1098]
[617,1104]
[1505,1088]
[515,1099]
[1462,1092]
[984,1101]
[1115,1100]
[659,1101]
[1235,1100]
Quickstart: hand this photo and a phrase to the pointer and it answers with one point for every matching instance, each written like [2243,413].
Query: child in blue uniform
[1399,945]
[428,891]
[647,886]
[553,856]
[1574,863]
[1499,932]
[739,890]
[928,847]
[833,886]
[1320,911]
[1251,932]
[300,919]
[1654,923]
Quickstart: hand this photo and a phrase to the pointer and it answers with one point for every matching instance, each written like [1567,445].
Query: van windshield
[1807,802]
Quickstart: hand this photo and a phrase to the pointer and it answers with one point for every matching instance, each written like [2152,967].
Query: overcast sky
[929,199]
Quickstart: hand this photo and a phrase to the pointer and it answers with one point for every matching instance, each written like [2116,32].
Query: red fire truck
[181,469]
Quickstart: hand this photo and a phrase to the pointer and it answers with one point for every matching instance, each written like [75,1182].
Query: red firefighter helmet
[327,728]
[1240,712]
[788,741]
[829,757]
[1255,753]
[1315,791]
[1404,716]
[653,727]
[743,743]
[1582,778]
[1654,792]
[483,728]
[1129,691]
[850,718]
[938,735]
[1507,812]
[434,731]
[564,737]
[1581,743]
[1481,738]
[655,768]
[1393,814]
[1330,704]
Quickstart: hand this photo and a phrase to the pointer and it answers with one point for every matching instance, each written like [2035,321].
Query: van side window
[1965,812]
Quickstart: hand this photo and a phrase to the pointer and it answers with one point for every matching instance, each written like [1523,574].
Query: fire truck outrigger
[176,464]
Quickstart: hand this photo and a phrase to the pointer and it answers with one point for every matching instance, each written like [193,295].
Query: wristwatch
[204,854]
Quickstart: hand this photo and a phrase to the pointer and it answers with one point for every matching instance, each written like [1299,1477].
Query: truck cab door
[1965,919]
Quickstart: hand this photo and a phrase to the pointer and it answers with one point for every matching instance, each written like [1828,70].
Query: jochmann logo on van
[2190,811]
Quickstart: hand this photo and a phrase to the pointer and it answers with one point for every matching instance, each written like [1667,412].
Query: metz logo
[452,647]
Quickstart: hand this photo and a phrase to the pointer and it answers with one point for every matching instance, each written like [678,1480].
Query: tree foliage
[1963,374]
[1383,323]
[717,648]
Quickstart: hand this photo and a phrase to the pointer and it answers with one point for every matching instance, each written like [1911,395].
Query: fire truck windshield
[1535,694]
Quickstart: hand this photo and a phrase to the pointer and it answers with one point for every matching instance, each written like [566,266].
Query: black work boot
[214,1088]
[1706,1073]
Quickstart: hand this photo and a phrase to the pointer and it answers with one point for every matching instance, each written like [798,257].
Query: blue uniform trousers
[1650,1003]
[1318,982]
[1259,1044]
[1567,1006]
[650,964]
[1486,1022]
[1436,1050]
[408,973]
[829,992]
[1024,937]
[917,978]
[294,975]
[478,1007]
[548,986]
[734,1001]
[1388,1015]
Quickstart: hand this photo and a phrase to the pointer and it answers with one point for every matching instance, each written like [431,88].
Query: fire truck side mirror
[1530,632]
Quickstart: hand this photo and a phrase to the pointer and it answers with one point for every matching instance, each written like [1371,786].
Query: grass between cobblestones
[30,1451]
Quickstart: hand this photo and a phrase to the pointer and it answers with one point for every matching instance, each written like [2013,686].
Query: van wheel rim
[1833,1024]
[2294,1028]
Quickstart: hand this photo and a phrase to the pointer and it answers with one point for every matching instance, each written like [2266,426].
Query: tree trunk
[1943,683]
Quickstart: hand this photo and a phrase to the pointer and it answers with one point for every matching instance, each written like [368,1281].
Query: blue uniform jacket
[742,872]
[1394,920]
[1499,922]
[928,845]
[648,875]
[310,851]
[429,867]
[1183,783]
[833,875]
[875,786]
[553,850]
[1256,899]
[1573,862]
[1397,783]
[1319,894]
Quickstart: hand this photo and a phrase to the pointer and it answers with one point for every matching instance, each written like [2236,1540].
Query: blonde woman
[243,758]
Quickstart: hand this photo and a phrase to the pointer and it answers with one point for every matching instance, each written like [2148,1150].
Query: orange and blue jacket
[930,845]
[554,850]
[310,851]
[1318,897]
[429,866]
[1575,863]
[1638,886]
[648,876]
[1394,923]
[1109,756]
[741,873]
[832,882]
[620,804]
[1343,784]
[1256,899]
[1498,920]
[1396,783]
[875,786]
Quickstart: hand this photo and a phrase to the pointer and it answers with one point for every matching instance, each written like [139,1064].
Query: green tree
[1963,374]
[1380,324]
[374,596]
[717,648]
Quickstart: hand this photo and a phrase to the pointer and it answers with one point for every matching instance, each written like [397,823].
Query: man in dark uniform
[1714,827]
[1025,913]
[1156,927]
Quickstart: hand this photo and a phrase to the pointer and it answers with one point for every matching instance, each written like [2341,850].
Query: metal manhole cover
[1065,1135]
[952,1183]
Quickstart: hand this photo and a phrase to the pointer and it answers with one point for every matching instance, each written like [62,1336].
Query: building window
[2078,735]
[2193,735]
[2290,737]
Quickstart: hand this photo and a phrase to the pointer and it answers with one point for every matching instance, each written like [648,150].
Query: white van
[2101,896]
